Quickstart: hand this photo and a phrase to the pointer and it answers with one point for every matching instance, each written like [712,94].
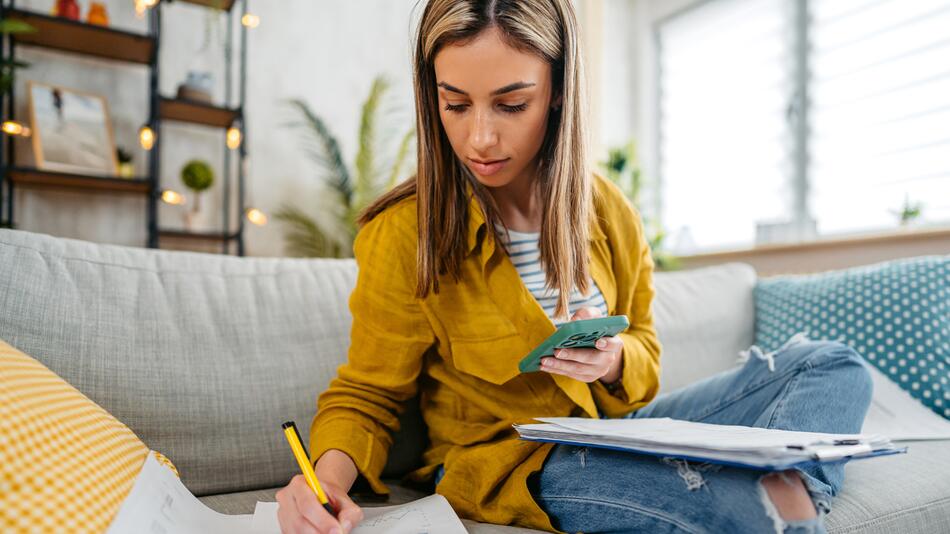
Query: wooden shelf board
[80,38]
[196,113]
[222,4]
[37,178]
[197,236]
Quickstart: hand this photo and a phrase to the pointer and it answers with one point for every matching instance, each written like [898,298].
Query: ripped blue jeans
[806,385]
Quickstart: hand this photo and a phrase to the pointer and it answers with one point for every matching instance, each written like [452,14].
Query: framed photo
[71,131]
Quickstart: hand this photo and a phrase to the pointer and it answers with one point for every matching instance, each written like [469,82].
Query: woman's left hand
[588,364]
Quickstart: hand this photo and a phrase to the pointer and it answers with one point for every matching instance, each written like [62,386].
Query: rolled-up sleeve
[633,270]
[359,411]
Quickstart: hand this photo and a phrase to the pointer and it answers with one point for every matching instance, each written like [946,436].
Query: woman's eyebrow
[506,89]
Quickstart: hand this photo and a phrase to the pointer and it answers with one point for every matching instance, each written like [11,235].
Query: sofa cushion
[896,314]
[900,493]
[202,356]
[703,318]
[65,463]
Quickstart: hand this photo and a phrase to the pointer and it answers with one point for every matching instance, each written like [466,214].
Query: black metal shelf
[198,236]
[190,111]
[76,37]
[89,40]
[224,5]
[42,179]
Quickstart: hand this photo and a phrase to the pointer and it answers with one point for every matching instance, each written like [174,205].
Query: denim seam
[783,397]
[621,505]
[805,365]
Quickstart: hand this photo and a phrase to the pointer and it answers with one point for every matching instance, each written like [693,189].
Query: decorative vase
[68,9]
[97,14]
[197,86]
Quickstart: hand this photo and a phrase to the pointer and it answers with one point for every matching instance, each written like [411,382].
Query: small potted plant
[910,212]
[197,176]
[126,168]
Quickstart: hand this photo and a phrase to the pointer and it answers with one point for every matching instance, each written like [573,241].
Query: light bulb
[233,138]
[141,6]
[173,197]
[250,21]
[256,216]
[146,137]
[15,128]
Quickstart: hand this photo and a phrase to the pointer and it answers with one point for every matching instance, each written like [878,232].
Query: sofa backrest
[204,356]
[703,317]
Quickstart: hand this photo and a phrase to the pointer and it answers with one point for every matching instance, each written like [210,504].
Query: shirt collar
[476,220]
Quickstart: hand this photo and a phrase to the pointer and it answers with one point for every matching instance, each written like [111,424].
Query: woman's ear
[556,104]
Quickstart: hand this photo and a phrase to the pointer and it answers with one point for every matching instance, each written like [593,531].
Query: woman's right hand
[300,512]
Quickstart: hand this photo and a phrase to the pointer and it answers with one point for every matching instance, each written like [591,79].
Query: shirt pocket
[494,359]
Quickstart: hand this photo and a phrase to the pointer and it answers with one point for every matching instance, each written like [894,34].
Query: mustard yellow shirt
[459,349]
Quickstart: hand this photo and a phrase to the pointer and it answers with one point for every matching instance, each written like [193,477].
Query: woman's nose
[484,134]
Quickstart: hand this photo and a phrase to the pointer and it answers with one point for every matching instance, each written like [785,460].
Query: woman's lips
[488,169]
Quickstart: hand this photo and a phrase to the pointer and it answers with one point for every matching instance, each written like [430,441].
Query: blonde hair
[548,29]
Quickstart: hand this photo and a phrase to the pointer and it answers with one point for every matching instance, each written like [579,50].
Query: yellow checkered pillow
[65,463]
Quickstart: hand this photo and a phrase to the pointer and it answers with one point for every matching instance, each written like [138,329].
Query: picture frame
[72,130]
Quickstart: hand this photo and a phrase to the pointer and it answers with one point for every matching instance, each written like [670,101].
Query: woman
[463,269]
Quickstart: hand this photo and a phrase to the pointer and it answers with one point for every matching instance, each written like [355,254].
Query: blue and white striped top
[526,256]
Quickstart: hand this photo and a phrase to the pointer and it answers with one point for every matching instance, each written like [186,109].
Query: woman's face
[494,102]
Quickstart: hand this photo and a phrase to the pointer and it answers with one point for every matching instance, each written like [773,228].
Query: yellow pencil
[293,437]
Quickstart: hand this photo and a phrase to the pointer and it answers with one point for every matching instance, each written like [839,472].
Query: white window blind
[880,111]
[725,79]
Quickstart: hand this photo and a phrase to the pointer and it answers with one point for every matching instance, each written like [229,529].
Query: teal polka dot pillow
[896,314]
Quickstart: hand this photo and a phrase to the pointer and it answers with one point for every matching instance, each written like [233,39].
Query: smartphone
[581,333]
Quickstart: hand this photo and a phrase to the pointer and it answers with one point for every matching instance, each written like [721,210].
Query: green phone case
[582,333]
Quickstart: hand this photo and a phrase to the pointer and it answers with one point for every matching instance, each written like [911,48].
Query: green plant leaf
[323,148]
[8,26]
[401,154]
[365,155]
[303,237]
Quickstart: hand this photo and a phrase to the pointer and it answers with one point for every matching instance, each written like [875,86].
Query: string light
[233,138]
[250,21]
[146,137]
[256,216]
[15,128]
[141,6]
[173,197]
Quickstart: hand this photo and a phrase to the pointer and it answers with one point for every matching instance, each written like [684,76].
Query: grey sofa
[204,356]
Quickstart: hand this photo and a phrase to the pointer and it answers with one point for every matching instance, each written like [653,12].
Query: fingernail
[601,343]
[346,525]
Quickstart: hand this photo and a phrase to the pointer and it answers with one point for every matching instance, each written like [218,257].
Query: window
[880,111]
[785,119]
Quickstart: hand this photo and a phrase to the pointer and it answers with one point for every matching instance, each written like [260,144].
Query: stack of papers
[742,446]
[159,503]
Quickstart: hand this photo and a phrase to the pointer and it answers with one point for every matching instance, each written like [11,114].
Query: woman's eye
[459,108]
[514,109]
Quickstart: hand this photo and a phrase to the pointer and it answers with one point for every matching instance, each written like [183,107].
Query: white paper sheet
[897,415]
[429,515]
[160,504]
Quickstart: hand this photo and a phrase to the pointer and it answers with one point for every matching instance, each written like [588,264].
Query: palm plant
[344,192]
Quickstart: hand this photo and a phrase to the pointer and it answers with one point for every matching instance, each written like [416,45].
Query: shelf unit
[75,37]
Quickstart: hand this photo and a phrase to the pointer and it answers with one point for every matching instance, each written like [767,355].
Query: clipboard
[773,466]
